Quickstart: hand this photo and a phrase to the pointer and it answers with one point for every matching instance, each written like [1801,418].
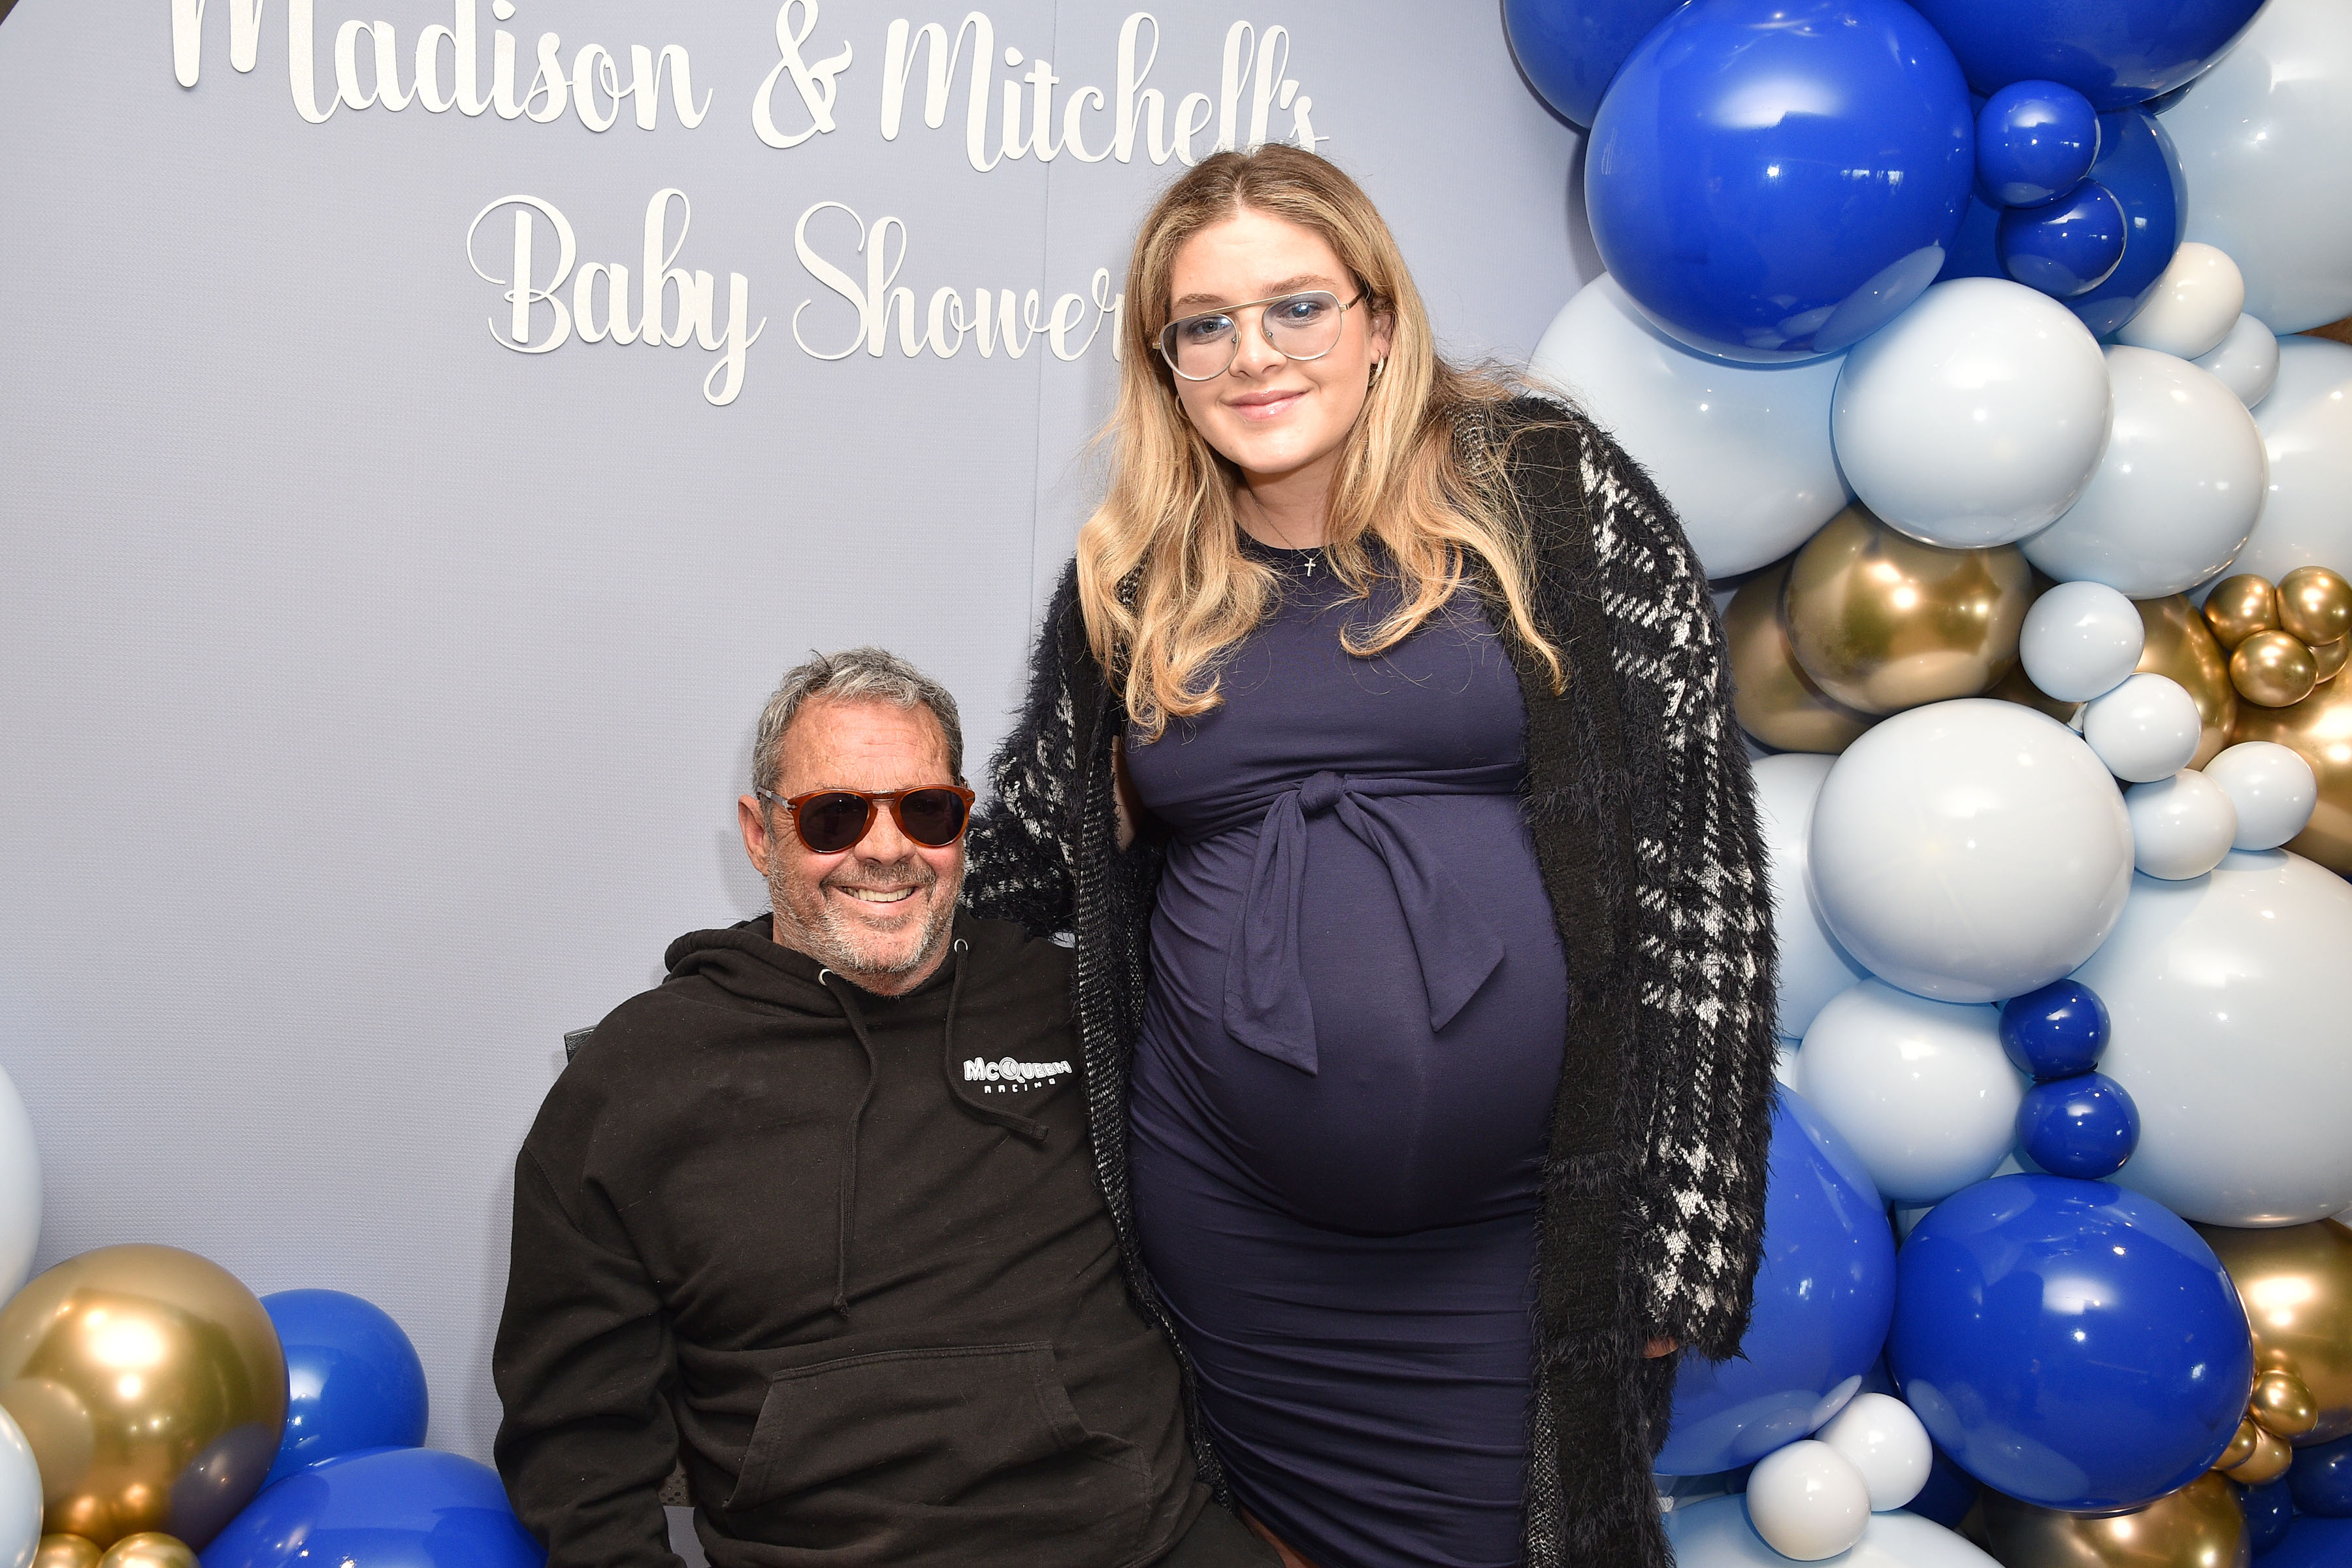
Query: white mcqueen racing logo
[1006,1076]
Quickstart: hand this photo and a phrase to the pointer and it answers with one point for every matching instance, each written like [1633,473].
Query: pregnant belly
[1401,1126]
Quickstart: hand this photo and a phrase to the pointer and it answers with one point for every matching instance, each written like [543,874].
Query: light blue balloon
[1716,1534]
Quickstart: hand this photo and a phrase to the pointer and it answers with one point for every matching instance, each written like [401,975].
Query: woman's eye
[1204,328]
[1300,313]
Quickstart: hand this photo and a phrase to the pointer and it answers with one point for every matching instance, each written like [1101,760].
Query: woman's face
[1270,415]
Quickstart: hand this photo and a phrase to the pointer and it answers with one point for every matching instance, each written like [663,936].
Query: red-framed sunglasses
[831,820]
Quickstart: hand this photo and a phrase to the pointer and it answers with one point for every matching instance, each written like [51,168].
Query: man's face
[881,910]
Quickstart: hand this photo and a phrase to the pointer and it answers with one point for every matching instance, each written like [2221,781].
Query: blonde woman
[1379,756]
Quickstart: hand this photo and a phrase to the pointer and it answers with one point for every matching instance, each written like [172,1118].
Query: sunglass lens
[932,817]
[832,823]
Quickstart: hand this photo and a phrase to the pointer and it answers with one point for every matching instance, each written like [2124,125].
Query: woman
[1427,1017]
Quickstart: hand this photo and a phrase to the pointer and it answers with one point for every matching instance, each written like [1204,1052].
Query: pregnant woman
[1379,757]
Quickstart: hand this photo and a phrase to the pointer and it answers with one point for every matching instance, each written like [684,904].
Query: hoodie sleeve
[584,1364]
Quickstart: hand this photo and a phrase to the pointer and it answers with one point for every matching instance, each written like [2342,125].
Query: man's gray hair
[857,674]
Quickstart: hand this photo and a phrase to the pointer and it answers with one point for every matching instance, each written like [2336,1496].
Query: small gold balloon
[65,1552]
[149,1549]
[2274,669]
[2316,605]
[1882,622]
[2328,658]
[151,1388]
[2180,646]
[2319,728]
[2200,1526]
[2269,1462]
[2240,607]
[1776,702]
[2241,1446]
[2283,1406]
[2295,1283]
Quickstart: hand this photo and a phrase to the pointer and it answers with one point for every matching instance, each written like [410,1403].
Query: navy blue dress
[1350,1046]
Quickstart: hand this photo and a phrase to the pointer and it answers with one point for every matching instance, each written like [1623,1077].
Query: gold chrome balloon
[2270,1458]
[65,1552]
[1775,700]
[2316,605]
[151,1388]
[2274,669]
[2295,1282]
[2200,1526]
[149,1549]
[2240,607]
[2283,1406]
[1883,622]
[2241,1445]
[2180,646]
[2320,728]
[2327,658]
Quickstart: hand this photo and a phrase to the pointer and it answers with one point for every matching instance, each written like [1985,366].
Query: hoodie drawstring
[844,1201]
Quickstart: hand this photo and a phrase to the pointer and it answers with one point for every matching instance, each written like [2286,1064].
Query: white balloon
[2196,300]
[20,1194]
[1741,451]
[1920,1088]
[1880,1437]
[2176,490]
[2146,729]
[1784,1064]
[2306,426]
[20,1496]
[2247,360]
[1807,1501]
[1813,967]
[2081,640]
[2225,997]
[1969,850]
[1716,1534]
[2272,788]
[2181,826]
[1974,417]
[2264,138]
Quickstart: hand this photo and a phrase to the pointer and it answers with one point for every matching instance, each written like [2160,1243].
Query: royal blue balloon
[2137,163]
[2057,1031]
[1776,179]
[1948,1495]
[2035,140]
[2269,1510]
[1570,48]
[354,1379]
[2313,1544]
[2072,1344]
[2321,1481]
[1823,1295]
[2113,52]
[391,1508]
[1971,252]
[2084,1127]
[2066,247]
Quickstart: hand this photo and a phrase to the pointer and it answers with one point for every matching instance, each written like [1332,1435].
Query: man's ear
[753,818]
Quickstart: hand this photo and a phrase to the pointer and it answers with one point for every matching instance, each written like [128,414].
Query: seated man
[817,1214]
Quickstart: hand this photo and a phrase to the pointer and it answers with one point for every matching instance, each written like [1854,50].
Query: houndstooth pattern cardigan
[1640,804]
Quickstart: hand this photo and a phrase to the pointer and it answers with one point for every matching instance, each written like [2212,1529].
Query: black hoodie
[845,1253]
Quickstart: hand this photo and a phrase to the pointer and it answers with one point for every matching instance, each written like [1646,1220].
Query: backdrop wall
[375,687]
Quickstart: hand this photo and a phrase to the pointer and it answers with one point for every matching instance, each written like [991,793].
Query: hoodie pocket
[922,1447]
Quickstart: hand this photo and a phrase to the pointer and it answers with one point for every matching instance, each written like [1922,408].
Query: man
[817,1214]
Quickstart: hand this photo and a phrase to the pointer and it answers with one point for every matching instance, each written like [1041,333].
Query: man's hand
[1658,1347]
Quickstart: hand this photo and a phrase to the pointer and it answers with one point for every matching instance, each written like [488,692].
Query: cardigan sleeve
[1018,855]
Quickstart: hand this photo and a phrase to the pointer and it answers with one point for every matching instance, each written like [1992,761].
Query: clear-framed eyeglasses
[1299,326]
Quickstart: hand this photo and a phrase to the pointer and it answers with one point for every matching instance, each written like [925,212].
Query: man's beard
[834,939]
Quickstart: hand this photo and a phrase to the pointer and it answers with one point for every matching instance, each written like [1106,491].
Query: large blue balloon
[391,1508]
[1570,48]
[2269,1510]
[2113,52]
[1776,179]
[1824,1296]
[2321,1481]
[2313,1544]
[2136,162]
[2072,1344]
[353,1379]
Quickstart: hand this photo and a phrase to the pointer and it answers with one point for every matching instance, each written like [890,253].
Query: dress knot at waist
[1266,1007]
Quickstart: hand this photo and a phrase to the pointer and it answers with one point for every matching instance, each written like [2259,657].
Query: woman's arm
[1018,855]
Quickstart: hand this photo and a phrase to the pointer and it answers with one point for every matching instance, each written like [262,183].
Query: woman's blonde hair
[1407,479]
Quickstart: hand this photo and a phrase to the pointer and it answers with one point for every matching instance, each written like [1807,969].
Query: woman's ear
[1383,334]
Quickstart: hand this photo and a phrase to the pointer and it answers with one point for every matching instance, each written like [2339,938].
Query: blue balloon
[2066,247]
[2072,1344]
[2137,163]
[353,1381]
[1570,48]
[391,1508]
[2113,52]
[2269,1510]
[2313,1544]
[2035,140]
[1823,1295]
[1776,179]
[2056,1032]
[2321,1481]
[1948,1495]
[1972,253]
[2084,1127]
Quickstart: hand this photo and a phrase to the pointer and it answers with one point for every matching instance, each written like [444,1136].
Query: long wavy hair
[1163,583]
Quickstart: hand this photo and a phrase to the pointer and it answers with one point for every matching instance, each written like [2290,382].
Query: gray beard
[833,940]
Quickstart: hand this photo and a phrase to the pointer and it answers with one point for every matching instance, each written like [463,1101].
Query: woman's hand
[1658,1347]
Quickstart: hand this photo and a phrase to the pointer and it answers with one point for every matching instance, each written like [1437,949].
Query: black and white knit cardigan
[1640,804]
